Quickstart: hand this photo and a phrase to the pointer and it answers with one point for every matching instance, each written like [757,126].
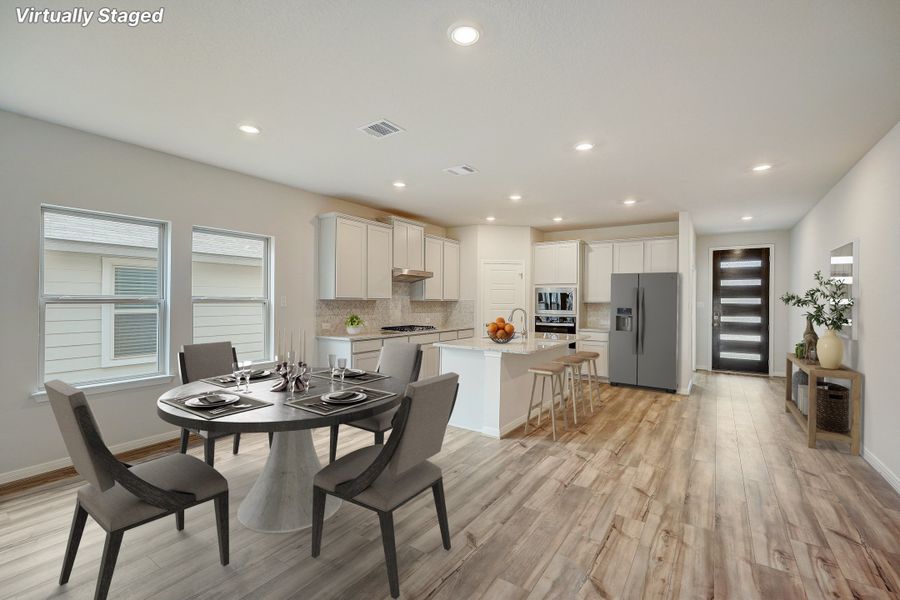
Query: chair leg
[541,405]
[108,564]
[78,520]
[221,506]
[185,434]
[179,520]
[390,551]
[318,520]
[209,450]
[332,443]
[552,404]
[530,402]
[379,438]
[573,396]
[440,504]
[237,443]
[271,438]
[562,399]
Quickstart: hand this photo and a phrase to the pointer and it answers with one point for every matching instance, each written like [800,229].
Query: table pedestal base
[281,498]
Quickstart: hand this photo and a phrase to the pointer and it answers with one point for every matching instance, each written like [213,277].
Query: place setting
[339,371]
[215,404]
[242,372]
[339,400]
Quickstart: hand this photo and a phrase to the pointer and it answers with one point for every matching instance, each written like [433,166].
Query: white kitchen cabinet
[451,270]
[628,257]
[556,263]
[597,341]
[442,259]
[409,244]
[378,261]
[598,268]
[661,256]
[431,362]
[367,361]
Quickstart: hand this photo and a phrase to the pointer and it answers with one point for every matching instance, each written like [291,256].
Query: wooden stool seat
[547,369]
[587,354]
[570,359]
[552,372]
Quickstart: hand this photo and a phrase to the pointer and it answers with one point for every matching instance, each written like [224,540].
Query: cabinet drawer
[595,336]
[428,338]
[396,340]
[465,334]
[367,361]
[448,336]
[365,346]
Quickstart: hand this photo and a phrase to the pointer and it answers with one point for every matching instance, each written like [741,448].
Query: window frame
[161,300]
[268,286]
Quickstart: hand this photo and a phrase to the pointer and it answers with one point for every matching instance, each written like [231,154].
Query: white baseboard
[883,469]
[686,390]
[53,465]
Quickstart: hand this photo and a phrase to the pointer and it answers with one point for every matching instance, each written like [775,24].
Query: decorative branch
[827,303]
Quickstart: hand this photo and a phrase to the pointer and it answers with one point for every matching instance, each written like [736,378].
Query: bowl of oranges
[500,331]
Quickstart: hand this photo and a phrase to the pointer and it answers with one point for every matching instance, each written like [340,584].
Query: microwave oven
[555,301]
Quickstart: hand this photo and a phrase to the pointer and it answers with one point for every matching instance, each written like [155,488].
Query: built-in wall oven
[555,302]
[550,324]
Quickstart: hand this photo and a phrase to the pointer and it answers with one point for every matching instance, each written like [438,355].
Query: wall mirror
[845,266]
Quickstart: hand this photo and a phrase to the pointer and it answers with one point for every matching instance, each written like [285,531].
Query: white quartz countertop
[534,344]
[377,335]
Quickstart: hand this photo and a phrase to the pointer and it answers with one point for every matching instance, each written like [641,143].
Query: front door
[740,325]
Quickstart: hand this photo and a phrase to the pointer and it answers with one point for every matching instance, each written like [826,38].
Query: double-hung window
[103,297]
[231,280]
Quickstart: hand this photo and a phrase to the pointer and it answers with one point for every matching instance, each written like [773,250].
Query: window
[103,304]
[231,283]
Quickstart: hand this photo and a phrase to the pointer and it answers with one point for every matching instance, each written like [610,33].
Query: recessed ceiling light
[761,168]
[747,218]
[515,197]
[251,129]
[557,219]
[464,35]
[629,201]
[490,218]
[399,184]
[584,146]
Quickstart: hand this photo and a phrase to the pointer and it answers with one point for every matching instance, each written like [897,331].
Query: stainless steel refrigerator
[643,334]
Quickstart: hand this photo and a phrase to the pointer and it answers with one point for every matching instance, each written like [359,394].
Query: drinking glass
[332,360]
[293,370]
[342,367]
[248,371]
[305,375]
[236,371]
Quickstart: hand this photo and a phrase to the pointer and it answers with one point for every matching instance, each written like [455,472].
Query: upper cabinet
[661,256]
[598,267]
[354,258]
[556,263]
[442,259]
[628,257]
[409,244]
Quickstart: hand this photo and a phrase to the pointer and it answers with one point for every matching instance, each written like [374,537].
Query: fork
[217,411]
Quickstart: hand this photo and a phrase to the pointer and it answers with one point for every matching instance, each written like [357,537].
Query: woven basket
[833,407]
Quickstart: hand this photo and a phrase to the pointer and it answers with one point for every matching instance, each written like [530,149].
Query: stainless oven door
[551,324]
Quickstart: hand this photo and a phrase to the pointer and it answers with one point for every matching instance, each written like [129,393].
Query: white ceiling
[680,98]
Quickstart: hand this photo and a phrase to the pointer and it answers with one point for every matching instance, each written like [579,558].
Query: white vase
[354,330]
[830,350]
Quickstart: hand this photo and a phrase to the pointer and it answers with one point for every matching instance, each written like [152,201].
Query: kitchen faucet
[524,316]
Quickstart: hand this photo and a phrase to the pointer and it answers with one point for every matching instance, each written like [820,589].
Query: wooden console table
[815,371]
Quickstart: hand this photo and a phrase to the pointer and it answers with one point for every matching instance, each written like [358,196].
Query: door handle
[643,320]
[715,319]
[637,322]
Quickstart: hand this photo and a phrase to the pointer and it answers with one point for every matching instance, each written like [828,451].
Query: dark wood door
[740,327]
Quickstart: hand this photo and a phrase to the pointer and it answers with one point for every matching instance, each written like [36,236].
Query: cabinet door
[401,251]
[567,263]
[378,262]
[431,356]
[415,247]
[601,348]
[545,264]
[367,361]
[598,270]
[661,256]
[628,257]
[350,259]
[451,271]
[434,262]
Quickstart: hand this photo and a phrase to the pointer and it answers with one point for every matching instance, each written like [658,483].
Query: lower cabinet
[367,361]
[601,348]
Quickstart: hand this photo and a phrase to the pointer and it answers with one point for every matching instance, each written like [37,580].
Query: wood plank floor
[709,496]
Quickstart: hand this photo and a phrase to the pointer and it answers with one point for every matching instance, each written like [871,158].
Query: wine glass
[332,360]
[293,371]
[305,375]
[342,367]
[236,371]
[247,371]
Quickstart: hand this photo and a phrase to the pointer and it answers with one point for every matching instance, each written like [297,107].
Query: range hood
[410,275]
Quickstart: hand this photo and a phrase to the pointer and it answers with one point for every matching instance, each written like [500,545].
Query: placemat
[367,377]
[227,381]
[315,404]
[246,403]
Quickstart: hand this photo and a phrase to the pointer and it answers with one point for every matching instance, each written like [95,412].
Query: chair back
[64,399]
[431,402]
[401,361]
[199,361]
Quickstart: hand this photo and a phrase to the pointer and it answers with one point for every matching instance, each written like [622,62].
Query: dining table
[280,499]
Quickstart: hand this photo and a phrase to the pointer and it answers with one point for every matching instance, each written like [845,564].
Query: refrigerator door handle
[637,317]
[643,320]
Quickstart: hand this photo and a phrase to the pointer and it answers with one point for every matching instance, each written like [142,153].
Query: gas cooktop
[407,328]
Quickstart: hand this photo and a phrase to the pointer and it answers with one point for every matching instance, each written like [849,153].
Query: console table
[814,371]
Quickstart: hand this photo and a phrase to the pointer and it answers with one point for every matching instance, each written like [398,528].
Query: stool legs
[541,402]
[591,376]
[531,403]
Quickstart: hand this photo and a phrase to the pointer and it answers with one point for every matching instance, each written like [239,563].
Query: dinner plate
[212,401]
[331,399]
[260,374]
[352,373]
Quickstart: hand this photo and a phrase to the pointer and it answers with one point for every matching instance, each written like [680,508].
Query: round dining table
[281,498]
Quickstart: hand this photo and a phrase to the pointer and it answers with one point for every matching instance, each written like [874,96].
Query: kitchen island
[494,383]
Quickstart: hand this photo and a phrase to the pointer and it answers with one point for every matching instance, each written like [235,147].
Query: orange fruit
[492,328]
[501,334]
[500,321]
[510,328]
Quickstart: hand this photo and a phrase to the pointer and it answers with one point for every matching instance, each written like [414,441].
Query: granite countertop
[536,342]
[377,335]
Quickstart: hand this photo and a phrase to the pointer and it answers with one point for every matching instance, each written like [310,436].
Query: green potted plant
[827,304]
[354,324]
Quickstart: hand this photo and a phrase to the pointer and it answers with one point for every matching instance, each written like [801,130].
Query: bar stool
[590,359]
[572,364]
[553,372]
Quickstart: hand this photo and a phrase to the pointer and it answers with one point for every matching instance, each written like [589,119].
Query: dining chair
[401,361]
[201,361]
[384,477]
[120,496]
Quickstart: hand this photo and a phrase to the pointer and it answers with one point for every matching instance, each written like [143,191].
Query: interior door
[740,325]
[503,289]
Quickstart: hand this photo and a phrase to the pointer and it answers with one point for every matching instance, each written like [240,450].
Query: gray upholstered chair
[201,361]
[401,361]
[119,496]
[384,477]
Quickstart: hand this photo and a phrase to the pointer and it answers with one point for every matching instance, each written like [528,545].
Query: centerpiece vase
[830,350]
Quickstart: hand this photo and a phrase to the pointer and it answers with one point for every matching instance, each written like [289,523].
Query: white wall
[864,206]
[45,163]
[780,262]
[687,241]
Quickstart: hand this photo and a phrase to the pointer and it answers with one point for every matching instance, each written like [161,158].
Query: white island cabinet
[494,382]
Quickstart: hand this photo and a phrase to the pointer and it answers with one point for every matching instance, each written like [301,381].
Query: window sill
[113,386]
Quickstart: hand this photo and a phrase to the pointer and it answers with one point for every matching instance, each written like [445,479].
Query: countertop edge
[362,337]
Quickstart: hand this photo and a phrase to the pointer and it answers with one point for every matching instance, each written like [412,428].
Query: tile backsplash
[595,316]
[398,310]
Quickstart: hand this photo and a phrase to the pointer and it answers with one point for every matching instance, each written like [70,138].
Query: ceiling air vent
[461,170]
[382,128]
